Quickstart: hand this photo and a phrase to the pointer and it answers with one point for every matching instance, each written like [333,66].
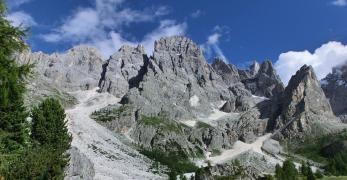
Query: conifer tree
[13,134]
[49,125]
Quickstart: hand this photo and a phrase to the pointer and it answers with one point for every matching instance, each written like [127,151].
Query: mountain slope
[109,157]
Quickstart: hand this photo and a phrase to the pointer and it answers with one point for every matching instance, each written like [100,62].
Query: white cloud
[102,26]
[339,2]
[212,46]
[166,28]
[21,18]
[16,3]
[196,14]
[322,60]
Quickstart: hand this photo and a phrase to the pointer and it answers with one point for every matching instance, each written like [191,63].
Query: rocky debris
[334,86]
[80,166]
[123,70]
[228,72]
[262,80]
[175,74]
[304,109]
[272,146]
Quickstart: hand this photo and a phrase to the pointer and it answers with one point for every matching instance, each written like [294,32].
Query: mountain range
[174,101]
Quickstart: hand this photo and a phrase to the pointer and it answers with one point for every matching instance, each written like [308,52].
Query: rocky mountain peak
[335,88]
[305,109]
[304,87]
[262,79]
[177,44]
[84,50]
[126,49]
[228,72]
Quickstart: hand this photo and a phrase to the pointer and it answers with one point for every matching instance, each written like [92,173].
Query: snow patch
[190,123]
[194,101]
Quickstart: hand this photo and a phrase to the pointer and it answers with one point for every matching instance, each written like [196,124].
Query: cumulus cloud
[21,18]
[339,2]
[323,59]
[102,26]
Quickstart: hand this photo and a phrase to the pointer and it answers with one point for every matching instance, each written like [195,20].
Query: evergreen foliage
[49,125]
[13,114]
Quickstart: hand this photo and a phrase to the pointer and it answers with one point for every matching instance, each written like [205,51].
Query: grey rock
[249,126]
[335,89]
[172,136]
[80,167]
[177,81]
[262,80]
[59,73]
[123,70]
[272,146]
[228,72]
[118,118]
[305,109]
[77,69]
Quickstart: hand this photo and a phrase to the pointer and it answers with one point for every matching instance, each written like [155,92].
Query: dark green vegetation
[202,125]
[110,113]
[163,123]
[238,172]
[178,163]
[329,149]
[40,155]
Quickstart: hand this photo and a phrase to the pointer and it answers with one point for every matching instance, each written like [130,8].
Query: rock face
[262,80]
[56,74]
[123,70]
[80,166]
[177,81]
[335,88]
[228,72]
[171,136]
[304,108]
[77,69]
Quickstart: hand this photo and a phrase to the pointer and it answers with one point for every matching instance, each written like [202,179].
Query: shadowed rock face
[262,80]
[304,108]
[335,88]
[228,72]
[123,70]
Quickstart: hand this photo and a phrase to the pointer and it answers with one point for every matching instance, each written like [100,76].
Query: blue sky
[238,30]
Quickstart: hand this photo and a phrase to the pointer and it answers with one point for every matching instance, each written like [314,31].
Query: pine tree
[50,133]
[49,125]
[13,114]
[304,168]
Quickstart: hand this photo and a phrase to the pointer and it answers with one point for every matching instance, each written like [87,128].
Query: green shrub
[162,123]
[177,162]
